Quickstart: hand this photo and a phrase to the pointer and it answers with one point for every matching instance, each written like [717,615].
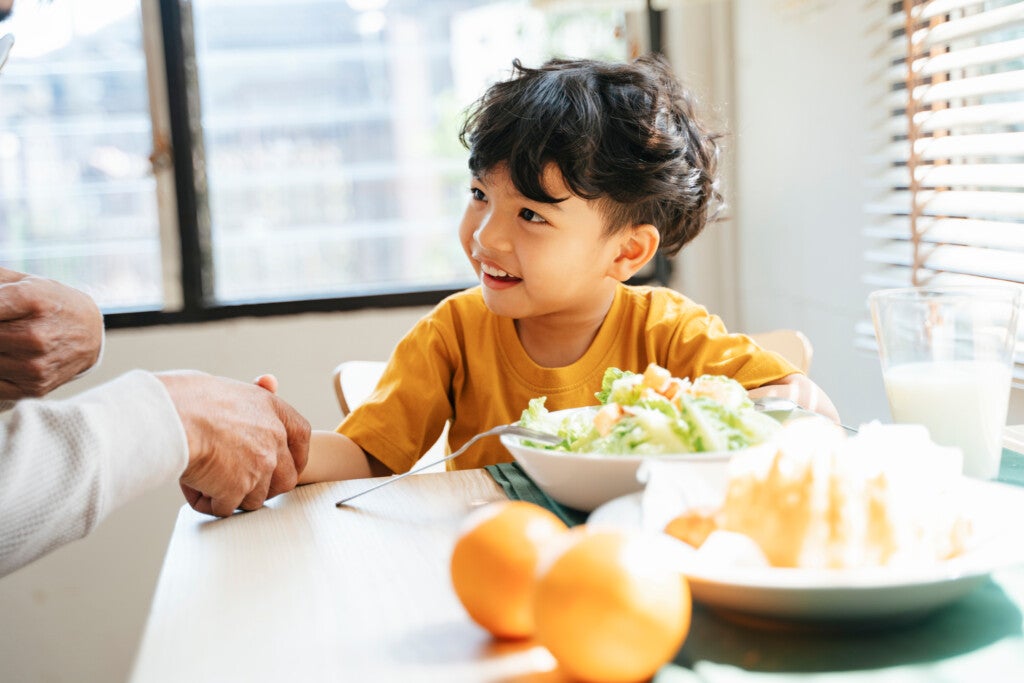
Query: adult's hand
[245,444]
[49,334]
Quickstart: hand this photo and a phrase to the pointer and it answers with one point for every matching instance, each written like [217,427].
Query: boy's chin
[498,303]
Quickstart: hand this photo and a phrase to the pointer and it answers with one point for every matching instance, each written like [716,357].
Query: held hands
[245,444]
[332,456]
[49,334]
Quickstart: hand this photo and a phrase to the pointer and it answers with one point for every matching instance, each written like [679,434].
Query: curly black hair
[622,134]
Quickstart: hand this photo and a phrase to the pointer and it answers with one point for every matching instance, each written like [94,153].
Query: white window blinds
[948,167]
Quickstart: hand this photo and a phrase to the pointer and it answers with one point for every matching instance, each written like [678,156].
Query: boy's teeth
[494,272]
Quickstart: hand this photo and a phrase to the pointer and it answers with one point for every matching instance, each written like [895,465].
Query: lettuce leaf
[714,413]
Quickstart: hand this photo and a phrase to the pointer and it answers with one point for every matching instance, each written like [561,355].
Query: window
[315,155]
[950,166]
[77,199]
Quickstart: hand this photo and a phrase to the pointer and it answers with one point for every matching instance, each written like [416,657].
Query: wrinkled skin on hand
[49,334]
[245,444]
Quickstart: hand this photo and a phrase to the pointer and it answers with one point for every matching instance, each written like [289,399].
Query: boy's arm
[797,388]
[333,457]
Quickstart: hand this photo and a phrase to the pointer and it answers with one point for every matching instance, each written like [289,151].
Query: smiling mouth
[498,273]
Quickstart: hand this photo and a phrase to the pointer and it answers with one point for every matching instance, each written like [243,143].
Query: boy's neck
[555,341]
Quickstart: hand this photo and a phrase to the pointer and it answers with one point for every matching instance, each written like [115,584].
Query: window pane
[330,132]
[77,198]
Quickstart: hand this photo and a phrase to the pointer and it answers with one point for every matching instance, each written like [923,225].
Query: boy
[581,171]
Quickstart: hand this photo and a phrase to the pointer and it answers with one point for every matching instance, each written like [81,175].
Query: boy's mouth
[496,274]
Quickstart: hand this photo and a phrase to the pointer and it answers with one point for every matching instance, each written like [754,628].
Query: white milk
[962,403]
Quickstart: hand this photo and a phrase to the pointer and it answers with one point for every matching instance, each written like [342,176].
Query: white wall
[788,83]
[76,616]
[803,98]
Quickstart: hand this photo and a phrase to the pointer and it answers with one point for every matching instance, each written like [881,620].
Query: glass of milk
[947,362]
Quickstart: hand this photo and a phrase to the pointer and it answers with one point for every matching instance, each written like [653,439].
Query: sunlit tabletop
[303,591]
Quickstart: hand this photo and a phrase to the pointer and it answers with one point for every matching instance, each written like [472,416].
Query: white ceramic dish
[586,480]
[846,596]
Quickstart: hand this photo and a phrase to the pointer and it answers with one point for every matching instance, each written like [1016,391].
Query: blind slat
[968,26]
[999,113]
[968,204]
[954,258]
[955,175]
[930,10]
[959,59]
[889,276]
[950,34]
[962,88]
[967,231]
[987,145]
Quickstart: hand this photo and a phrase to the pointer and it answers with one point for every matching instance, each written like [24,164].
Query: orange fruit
[494,563]
[611,607]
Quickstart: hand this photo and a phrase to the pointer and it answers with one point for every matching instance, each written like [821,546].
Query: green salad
[655,413]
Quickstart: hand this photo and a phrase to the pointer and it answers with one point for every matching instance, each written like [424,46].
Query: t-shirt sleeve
[405,414]
[701,345]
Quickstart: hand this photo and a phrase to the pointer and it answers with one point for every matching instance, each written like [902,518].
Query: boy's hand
[49,334]
[245,444]
[802,391]
[268,382]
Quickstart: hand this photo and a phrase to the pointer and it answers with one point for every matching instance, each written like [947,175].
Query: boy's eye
[531,216]
[478,194]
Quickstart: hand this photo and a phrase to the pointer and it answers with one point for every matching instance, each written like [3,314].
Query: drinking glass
[947,363]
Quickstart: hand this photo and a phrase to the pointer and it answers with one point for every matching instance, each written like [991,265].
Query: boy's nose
[493,233]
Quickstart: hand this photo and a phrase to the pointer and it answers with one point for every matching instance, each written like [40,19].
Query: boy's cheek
[466,239]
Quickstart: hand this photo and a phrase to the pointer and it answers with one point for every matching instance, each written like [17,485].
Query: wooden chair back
[792,345]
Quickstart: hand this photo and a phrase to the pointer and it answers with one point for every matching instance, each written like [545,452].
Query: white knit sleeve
[64,465]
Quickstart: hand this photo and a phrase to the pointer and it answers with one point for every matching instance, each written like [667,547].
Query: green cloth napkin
[1011,470]
[518,486]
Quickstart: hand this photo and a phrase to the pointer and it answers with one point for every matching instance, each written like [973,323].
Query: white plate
[856,595]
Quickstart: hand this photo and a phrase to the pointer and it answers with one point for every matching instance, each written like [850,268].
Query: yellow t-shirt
[465,364]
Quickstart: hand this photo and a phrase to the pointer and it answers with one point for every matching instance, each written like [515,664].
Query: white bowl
[587,480]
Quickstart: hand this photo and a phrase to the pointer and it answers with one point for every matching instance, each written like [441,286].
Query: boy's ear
[637,246]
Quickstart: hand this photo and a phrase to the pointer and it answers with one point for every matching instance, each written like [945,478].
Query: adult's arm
[50,333]
[64,465]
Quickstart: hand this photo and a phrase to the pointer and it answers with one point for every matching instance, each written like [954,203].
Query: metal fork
[783,408]
[500,429]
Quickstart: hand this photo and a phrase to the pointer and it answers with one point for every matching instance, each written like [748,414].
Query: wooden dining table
[304,591]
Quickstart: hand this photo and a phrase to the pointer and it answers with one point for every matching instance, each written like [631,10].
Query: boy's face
[535,259]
